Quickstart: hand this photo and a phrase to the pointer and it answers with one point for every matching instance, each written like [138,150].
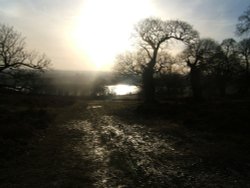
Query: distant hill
[76,77]
[88,77]
[66,83]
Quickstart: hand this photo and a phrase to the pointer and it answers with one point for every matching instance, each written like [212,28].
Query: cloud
[212,18]
[47,23]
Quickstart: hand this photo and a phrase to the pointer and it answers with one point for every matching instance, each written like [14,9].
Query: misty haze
[135,93]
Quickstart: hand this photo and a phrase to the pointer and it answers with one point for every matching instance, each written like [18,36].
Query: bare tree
[130,63]
[134,63]
[244,53]
[152,35]
[197,56]
[226,64]
[243,27]
[14,55]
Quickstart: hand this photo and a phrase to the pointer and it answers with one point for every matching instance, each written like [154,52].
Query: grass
[23,117]
[217,132]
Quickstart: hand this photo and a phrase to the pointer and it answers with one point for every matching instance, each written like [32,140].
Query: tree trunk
[222,86]
[222,91]
[195,79]
[247,77]
[148,78]
[148,85]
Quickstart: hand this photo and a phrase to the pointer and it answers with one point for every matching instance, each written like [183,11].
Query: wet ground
[102,150]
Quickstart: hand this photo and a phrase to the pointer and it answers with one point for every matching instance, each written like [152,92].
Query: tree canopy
[152,35]
[243,26]
[14,54]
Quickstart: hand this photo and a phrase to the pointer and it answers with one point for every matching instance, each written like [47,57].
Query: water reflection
[94,107]
[122,89]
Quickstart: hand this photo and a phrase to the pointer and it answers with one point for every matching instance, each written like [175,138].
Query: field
[70,142]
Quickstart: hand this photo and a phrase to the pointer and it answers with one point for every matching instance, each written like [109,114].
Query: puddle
[94,107]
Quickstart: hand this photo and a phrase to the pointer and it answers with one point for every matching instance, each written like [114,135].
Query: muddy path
[101,150]
[126,155]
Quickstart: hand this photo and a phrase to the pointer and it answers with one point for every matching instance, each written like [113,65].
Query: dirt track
[104,151]
[124,154]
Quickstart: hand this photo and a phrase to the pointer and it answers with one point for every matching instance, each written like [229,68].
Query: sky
[88,34]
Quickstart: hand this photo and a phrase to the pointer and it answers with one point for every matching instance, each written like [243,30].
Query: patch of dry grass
[24,116]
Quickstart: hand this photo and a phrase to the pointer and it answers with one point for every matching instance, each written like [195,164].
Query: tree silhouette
[243,27]
[14,55]
[134,63]
[225,64]
[197,56]
[244,53]
[152,35]
[130,63]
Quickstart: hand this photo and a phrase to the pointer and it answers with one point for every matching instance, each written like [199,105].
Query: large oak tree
[153,34]
[197,56]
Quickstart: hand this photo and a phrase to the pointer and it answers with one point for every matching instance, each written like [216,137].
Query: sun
[102,29]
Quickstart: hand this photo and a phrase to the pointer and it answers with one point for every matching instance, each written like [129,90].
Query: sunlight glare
[122,89]
[103,28]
